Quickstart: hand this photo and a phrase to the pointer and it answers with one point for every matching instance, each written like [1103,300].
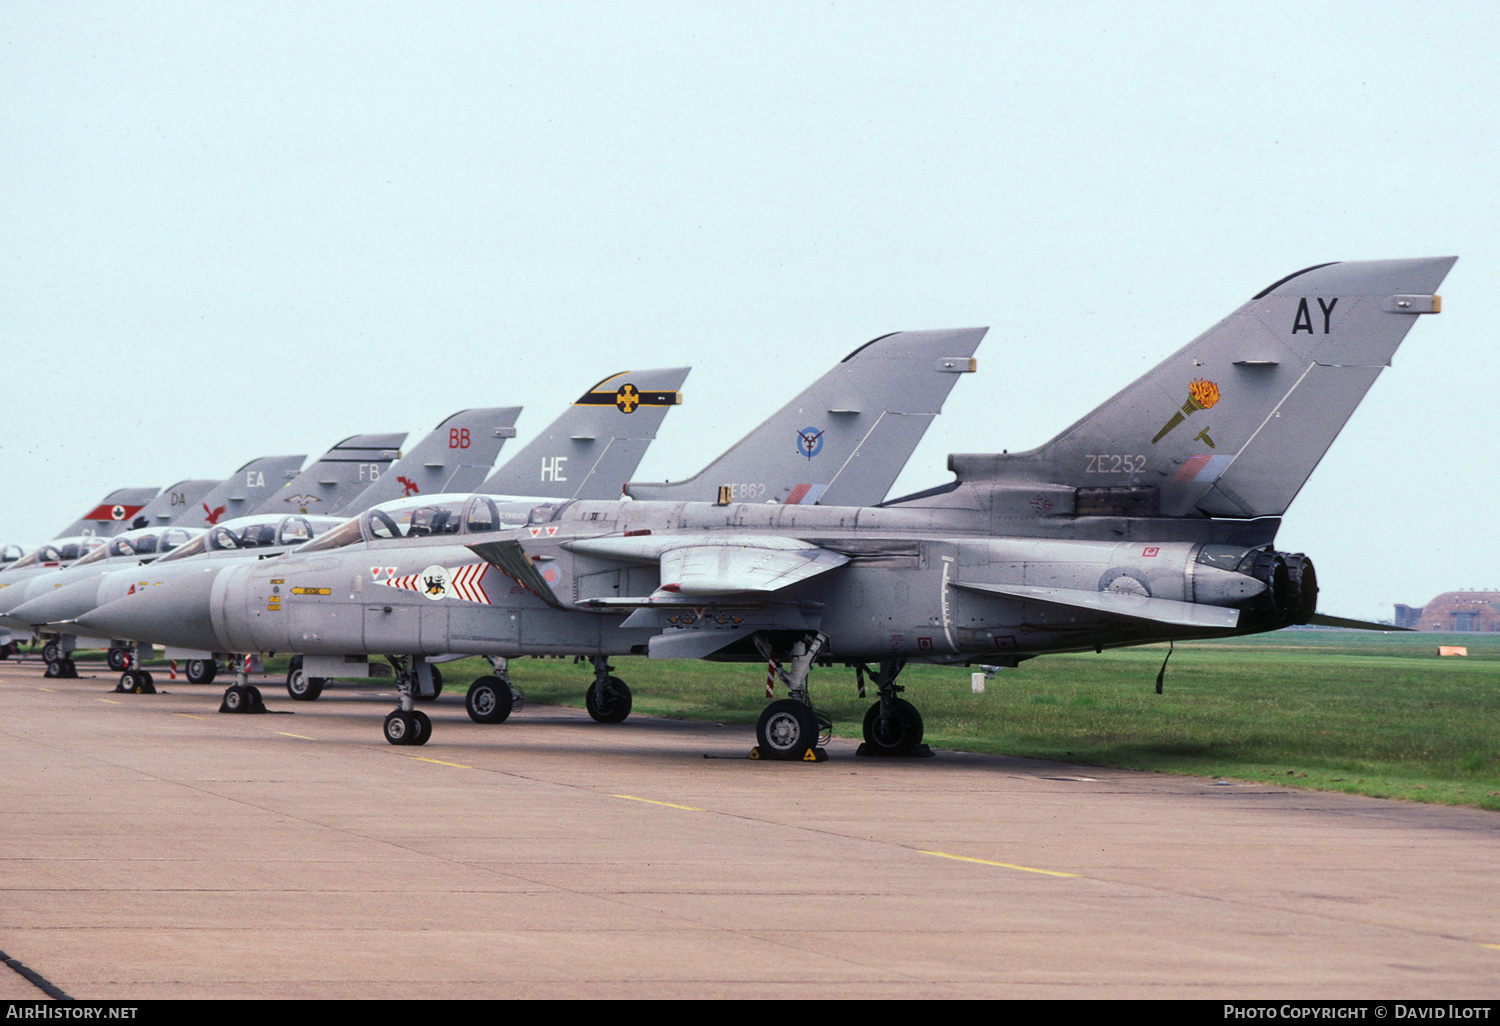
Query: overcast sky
[229,230]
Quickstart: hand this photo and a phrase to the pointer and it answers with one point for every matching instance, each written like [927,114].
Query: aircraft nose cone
[58,606]
[174,613]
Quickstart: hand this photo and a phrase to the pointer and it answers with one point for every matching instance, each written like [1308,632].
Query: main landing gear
[300,686]
[608,698]
[893,726]
[791,729]
[202,671]
[492,699]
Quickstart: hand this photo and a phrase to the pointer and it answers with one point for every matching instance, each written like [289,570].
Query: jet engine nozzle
[1291,595]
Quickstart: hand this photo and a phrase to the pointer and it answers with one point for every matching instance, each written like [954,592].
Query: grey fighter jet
[881,397]
[1152,518]
[599,439]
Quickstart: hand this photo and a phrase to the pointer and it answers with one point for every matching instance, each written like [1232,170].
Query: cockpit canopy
[273,530]
[424,518]
[59,550]
[149,541]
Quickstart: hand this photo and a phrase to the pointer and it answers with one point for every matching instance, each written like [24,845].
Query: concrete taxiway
[154,848]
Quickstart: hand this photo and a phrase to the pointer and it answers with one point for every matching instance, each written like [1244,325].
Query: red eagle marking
[411,486]
[214,514]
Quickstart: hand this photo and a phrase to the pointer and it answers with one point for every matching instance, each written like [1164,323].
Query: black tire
[52,652]
[787,730]
[202,671]
[614,706]
[54,669]
[148,683]
[302,687]
[127,683]
[424,727]
[116,658]
[236,699]
[899,734]
[489,700]
[400,727]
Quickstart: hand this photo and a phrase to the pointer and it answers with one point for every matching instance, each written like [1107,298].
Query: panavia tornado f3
[1151,519]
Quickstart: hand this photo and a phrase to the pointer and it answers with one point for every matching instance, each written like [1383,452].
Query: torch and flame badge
[1202,394]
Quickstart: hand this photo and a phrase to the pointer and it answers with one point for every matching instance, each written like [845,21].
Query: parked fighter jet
[1152,518]
[887,391]
[593,443]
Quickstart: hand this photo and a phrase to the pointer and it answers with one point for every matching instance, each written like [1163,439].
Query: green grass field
[1374,714]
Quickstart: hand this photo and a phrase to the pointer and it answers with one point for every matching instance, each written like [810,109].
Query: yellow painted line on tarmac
[1002,865]
[648,801]
[111,701]
[50,691]
[189,716]
[1495,946]
[299,737]
[440,762]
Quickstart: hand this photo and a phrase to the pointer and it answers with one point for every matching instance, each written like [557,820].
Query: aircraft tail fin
[455,457]
[242,492]
[845,439]
[341,473]
[173,502]
[1232,424]
[592,449]
[112,515]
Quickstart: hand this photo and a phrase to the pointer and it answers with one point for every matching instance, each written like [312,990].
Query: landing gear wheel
[787,730]
[116,658]
[202,671]
[489,700]
[614,706]
[52,652]
[424,727]
[401,728]
[127,683]
[237,699]
[300,686]
[897,734]
[54,669]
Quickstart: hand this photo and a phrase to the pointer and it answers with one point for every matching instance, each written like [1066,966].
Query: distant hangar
[1477,611]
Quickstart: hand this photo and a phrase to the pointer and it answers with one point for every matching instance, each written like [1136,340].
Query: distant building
[1453,611]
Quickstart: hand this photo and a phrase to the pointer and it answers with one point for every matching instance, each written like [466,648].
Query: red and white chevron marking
[467,583]
[464,582]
